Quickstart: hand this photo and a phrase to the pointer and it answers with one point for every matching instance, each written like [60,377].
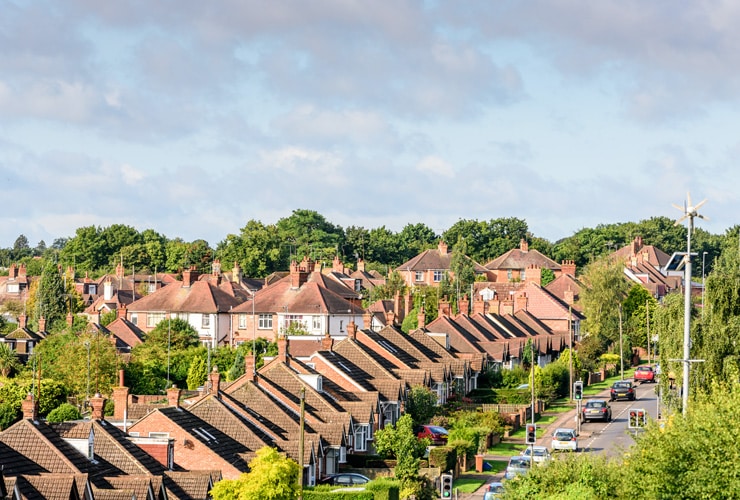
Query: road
[614,437]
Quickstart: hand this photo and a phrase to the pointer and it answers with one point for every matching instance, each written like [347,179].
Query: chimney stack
[215,379]
[421,318]
[173,396]
[236,274]
[22,321]
[521,302]
[337,265]
[442,247]
[367,320]
[463,306]
[523,245]
[390,318]
[568,267]
[283,349]
[30,407]
[249,367]
[107,290]
[12,272]
[216,268]
[121,312]
[120,399]
[189,276]
[42,324]
[97,403]
[70,319]
[352,329]
[327,342]
[361,265]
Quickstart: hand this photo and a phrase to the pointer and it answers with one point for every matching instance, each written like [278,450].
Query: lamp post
[703,282]
[621,354]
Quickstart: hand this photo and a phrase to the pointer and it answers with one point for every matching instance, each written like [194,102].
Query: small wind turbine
[689,212]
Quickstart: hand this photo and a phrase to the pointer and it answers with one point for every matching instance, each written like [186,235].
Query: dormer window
[92,289]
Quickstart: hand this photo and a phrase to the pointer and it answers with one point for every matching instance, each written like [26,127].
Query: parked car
[644,373]
[596,409]
[436,434]
[345,479]
[517,465]
[564,438]
[624,389]
[540,454]
[493,491]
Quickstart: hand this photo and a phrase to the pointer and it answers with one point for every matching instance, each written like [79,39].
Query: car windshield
[645,368]
[518,462]
[496,488]
[564,436]
[437,430]
[622,385]
[596,404]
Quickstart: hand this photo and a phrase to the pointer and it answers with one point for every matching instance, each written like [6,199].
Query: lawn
[468,484]
[507,449]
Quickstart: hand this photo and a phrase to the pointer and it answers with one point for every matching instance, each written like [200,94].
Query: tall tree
[21,248]
[50,296]
[271,476]
[257,248]
[312,234]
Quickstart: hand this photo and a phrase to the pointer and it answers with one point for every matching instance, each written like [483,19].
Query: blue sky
[193,117]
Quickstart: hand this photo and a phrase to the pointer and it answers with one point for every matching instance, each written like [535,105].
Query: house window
[13,288]
[522,274]
[342,455]
[265,322]
[438,275]
[362,435]
[153,318]
[509,274]
[242,321]
[206,321]
[159,434]
[92,289]
[134,319]
[317,323]
[341,325]
[358,285]
[151,288]
[419,276]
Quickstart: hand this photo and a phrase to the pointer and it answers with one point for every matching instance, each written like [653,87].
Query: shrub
[9,415]
[63,413]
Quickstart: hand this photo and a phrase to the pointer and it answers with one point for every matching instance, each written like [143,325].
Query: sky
[192,118]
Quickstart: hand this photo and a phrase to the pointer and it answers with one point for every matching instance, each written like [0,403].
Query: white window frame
[153,319]
[92,289]
[438,276]
[205,321]
[134,319]
[418,275]
[265,322]
[242,321]
[362,436]
[13,288]
[316,322]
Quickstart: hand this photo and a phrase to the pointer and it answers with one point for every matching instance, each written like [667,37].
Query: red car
[644,373]
[436,434]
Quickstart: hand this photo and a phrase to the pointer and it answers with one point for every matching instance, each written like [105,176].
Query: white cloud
[434,165]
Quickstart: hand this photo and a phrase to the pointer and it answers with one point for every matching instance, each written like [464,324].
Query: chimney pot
[30,408]
[173,396]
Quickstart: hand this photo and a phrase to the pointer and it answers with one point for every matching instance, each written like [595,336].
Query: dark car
[436,434]
[596,409]
[345,479]
[623,389]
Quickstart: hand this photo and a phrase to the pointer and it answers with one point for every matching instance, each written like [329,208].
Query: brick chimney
[534,274]
[352,330]
[521,302]
[327,342]
[361,265]
[97,403]
[407,303]
[523,245]
[421,318]
[479,305]
[30,407]
[216,268]
[22,271]
[463,305]
[120,399]
[636,245]
[173,396]
[298,273]
[70,319]
[236,273]
[12,272]
[121,312]
[249,367]
[443,307]
[397,310]
[442,247]
[189,276]
[120,271]
[42,324]
[367,319]
[22,321]
[283,349]
[337,265]
[568,267]
[215,381]
[569,296]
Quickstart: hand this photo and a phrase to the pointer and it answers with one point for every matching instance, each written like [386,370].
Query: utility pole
[301,444]
[621,354]
[570,352]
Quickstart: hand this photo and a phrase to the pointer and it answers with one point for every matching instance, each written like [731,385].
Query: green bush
[64,413]
[384,488]
[325,492]
[9,415]
[443,457]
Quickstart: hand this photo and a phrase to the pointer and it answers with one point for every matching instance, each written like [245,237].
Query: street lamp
[621,354]
[703,282]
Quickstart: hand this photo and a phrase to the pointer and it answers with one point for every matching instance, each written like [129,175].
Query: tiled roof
[128,333]
[104,494]
[199,297]
[188,485]
[434,259]
[522,259]
[48,487]
[140,486]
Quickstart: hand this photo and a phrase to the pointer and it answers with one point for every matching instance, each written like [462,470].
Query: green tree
[64,413]
[49,298]
[257,248]
[421,404]
[387,291]
[313,235]
[400,442]
[8,360]
[175,333]
[9,415]
[86,250]
[197,373]
[271,476]
[21,248]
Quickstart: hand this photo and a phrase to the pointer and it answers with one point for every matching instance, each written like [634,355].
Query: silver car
[517,465]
